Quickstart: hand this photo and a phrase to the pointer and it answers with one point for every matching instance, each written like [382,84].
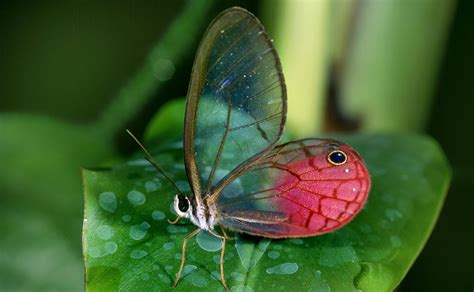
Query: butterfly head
[182,206]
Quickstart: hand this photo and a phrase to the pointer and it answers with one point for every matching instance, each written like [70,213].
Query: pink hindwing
[297,191]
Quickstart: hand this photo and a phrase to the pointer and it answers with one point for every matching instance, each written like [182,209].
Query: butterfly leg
[183,254]
[222,256]
[222,265]
[225,234]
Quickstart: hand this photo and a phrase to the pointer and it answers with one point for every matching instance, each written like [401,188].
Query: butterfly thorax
[201,213]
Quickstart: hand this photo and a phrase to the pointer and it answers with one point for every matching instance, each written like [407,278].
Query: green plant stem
[174,44]
[392,63]
[301,39]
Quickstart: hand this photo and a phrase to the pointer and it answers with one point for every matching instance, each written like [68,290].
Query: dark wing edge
[196,84]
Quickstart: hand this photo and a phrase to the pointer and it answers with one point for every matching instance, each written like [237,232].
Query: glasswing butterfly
[240,180]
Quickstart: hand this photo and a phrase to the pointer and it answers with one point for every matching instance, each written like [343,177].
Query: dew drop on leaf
[283,269]
[136,198]
[168,245]
[241,288]
[126,218]
[188,269]
[164,279]
[110,247]
[298,241]
[176,229]
[208,241]
[138,254]
[104,232]
[158,215]
[274,254]
[217,259]
[139,231]
[199,281]
[152,186]
[108,201]
[237,276]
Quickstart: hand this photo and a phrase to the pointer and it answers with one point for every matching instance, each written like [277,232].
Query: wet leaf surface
[129,245]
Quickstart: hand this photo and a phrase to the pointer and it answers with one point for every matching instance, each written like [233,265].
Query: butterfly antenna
[153,162]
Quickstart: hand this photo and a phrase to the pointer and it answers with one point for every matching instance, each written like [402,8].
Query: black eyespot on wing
[337,157]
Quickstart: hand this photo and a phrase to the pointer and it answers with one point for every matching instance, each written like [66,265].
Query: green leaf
[391,60]
[165,122]
[41,201]
[129,245]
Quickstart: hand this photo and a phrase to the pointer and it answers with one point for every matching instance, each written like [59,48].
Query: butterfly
[240,179]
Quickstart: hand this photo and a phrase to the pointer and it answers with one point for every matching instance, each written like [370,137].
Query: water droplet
[176,229]
[199,281]
[283,269]
[274,254]
[216,275]
[188,269]
[164,278]
[136,198]
[110,247]
[297,241]
[126,218]
[104,232]
[152,186]
[241,288]
[217,259]
[139,231]
[158,215]
[138,254]
[334,256]
[237,276]
[393,214]
[168,245]
[208,241]
[108,201]
[100,251]
[95,252]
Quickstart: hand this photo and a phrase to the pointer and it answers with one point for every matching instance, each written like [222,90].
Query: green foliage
[41,200]
[129,245]
[41,204]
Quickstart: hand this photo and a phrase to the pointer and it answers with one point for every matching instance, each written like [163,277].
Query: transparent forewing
[294,191]
[236,102]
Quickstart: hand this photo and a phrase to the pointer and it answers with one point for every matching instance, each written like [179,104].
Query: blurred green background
[362,65]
